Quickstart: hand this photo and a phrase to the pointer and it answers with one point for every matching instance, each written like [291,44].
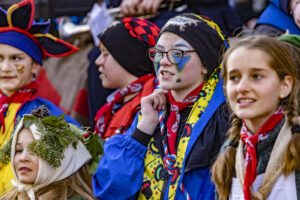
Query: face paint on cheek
[20,68]
[183,63]
[156,68]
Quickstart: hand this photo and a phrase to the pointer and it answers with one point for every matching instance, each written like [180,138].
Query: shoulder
[54,110]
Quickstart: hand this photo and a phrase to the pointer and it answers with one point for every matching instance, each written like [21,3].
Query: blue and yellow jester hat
[19,29]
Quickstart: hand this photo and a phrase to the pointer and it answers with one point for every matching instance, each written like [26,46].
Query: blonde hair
[281,61]
[79,183]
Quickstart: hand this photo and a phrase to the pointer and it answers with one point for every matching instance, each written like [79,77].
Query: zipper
[166,181]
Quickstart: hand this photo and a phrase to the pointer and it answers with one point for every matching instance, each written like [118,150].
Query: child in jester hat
[23,44]
[168,150]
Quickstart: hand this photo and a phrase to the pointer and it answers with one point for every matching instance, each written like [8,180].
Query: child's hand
[150,106]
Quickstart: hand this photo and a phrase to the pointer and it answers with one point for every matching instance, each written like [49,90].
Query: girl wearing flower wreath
[48,158]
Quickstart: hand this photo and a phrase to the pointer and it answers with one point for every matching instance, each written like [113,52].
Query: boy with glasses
[168,150]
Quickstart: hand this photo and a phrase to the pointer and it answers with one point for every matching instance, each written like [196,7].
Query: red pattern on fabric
[251,141]
[137,27]
[104,114]
[125,115]
[27,93]
[174,117]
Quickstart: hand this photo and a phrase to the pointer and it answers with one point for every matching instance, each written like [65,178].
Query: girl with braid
[261,159]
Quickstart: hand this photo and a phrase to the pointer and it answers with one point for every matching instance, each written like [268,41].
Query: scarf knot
[251,141]
[27,93]
[106,112]
[169,162]
[21,187]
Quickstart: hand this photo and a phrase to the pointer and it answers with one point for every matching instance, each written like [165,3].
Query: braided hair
[281,61]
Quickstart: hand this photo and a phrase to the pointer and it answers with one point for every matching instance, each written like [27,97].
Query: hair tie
[296,129]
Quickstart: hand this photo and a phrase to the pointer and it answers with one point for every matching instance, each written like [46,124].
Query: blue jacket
[276,15]
[120,174]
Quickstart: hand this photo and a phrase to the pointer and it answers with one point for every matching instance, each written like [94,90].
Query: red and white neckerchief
[105,113]
[174,117]
[250,142]
[27,93]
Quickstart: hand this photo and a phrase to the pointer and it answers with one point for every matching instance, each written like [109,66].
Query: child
[262,157]
[48,160]
[124,65]
[168,156]
[23,44]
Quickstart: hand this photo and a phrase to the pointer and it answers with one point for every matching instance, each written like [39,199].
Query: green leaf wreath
[56,136]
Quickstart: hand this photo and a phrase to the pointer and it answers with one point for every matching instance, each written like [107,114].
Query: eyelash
[19,151]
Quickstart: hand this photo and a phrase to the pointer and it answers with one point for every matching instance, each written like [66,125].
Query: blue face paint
[156,68]
[183,63]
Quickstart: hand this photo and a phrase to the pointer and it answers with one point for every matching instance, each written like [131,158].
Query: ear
[35,68]
[286,87]
[204,70]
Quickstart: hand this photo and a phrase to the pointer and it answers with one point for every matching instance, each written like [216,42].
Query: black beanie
[202,34]
[127,41]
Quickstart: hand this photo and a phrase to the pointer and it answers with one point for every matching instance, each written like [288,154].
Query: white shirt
[283,189]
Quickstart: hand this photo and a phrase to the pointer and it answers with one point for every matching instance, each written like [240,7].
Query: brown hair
[79,183]
[281,61]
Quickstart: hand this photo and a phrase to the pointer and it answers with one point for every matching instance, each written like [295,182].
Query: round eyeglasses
[175,56]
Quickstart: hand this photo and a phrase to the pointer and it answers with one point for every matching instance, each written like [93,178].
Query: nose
[243,85]
[101,60]
[24,157]
[165,60]
[5,65]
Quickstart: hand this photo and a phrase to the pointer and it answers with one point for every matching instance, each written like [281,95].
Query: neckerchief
[174,163]
[105,113]
[174,117]
[251,141]
[27,93]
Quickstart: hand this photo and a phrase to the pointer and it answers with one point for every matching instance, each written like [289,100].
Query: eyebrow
[182,45]
[251,70]
[160,46]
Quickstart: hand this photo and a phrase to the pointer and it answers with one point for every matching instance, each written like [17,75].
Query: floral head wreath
[19,29]
[54,136]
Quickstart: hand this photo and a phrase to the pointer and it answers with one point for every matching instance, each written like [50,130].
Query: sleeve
[120,170]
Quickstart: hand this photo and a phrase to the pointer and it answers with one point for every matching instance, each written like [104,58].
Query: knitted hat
[19,29]
[290,38]
[202,34]
[128,40]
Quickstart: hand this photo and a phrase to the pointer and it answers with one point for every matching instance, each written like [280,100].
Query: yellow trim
[6,170]
[9,12]
[45,35]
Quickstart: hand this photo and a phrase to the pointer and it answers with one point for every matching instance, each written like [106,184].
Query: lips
[24,170]
[166,74]
[245,101]
[7,77]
